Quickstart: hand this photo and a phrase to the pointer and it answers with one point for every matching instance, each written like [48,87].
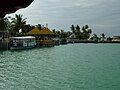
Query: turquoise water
[65,67]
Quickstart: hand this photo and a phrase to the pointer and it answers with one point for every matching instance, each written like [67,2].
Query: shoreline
[96,42]
[6,46]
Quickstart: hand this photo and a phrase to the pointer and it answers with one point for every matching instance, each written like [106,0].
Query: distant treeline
[17,26]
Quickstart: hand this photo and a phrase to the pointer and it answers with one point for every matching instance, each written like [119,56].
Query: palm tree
[86,31]
[73,28]
[95,37]
[109,39]
[27,28]
[86,26]
[18,23]
[103,36]
[83,29]
[4,24]
[78,32]
[58,34]
[90,31]
[39,26]
[78,29]
[4,27]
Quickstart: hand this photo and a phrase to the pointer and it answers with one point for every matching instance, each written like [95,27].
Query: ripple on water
[67,67]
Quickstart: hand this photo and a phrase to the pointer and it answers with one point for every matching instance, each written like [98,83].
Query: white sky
[103,16]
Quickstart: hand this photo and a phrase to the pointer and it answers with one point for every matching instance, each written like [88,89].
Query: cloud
[99,14]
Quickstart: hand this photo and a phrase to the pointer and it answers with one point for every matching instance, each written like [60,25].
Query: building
[116,38]
[72,39]
[43,37]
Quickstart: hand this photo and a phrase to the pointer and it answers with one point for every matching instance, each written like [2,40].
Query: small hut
[72,39]
[116,38]
[43,37]
[34,32]
[46,37]
[46,31]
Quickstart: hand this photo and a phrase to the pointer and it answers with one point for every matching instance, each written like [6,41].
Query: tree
[94,37]
[4,24]
[103,36]
[90,31]
[4,27]
[109,39]
[78,29]
[83,29]
[84,34]
[86,31]
[86,26]
[39,26]
[54,31]
[62,34]
[18,23]
[27,28]
[73,28]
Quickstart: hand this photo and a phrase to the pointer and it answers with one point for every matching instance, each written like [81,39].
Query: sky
[102,16]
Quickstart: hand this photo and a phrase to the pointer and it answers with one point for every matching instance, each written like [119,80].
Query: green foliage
[77,27]
[73,28]
[94,37]
[27,28]
[39,26]
[84,34]
[4,24]
[86,26]
[109,39]
[102,37]
[17,23]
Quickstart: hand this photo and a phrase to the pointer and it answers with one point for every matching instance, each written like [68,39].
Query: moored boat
[24,42]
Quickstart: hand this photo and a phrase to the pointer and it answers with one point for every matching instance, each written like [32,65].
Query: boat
[24,42]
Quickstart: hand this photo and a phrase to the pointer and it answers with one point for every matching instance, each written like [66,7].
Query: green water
[65,67]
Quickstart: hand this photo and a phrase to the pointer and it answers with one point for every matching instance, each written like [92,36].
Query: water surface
[65,67]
